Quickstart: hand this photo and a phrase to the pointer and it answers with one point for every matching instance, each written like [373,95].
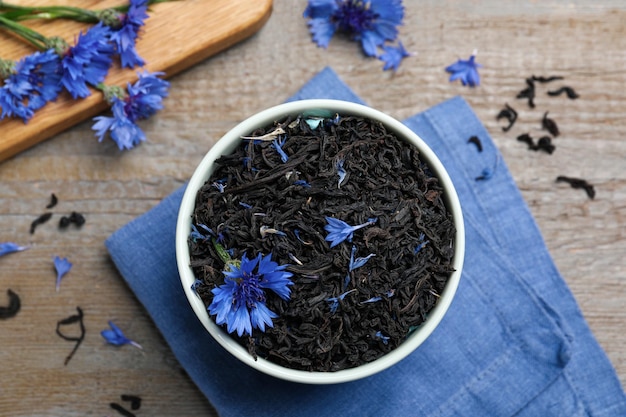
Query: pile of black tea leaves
[262,200]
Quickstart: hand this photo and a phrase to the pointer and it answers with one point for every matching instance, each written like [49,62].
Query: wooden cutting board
[177,35]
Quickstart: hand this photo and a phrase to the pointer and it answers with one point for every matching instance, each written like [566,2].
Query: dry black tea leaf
[528,92]
[527,139]
[75,218]
[549,125]
[508,113]
[39,220]
[542,79]
[477,142]
[75,318]
[53,201]
[13,308]
[135,401]
[569,91]
[578,183]
[545,144]
[124,412]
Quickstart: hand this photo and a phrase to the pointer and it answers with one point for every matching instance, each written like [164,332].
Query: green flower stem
[34,37]
[224,256]
[49,12]
[16,12]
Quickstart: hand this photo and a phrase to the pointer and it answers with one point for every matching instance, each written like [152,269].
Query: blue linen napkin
[514,342]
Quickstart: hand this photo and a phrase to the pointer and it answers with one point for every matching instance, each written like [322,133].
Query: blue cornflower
[338,230]
[126,35]
[33,82]
[393,55]
[372,22]
[116,337]
[466,71]
[88,61]
[358,262]
[143,99]
[240,301]
[62,267]
[10,247]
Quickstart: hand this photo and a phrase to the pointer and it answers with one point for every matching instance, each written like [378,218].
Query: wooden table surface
[584,41]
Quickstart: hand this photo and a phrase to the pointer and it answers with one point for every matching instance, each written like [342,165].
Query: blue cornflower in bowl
[239,303]
[370,22]
[142,99]
[239,312]
[29,84]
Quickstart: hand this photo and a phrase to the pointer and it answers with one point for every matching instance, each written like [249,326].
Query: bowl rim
[225,145]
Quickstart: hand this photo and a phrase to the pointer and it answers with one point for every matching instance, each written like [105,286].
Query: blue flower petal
[466,71]
[10,247]
[116,337]
[393,56]
[62,267]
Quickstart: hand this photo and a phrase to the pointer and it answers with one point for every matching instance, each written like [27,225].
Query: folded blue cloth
[514,342]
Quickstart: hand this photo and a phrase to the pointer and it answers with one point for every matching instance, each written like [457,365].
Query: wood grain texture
[584,41]
[178,37]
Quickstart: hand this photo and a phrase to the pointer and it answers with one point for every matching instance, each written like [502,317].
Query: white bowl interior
[226,145]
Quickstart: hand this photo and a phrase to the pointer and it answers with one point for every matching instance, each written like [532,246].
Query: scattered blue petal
[10,247]
[392,56]
[302,183]
[346,281]
[116,337]
[383,338]
[278,145]
[466,71]
[421,245]
[334,301]
[219,186]
[196,284]
[265,230]
[304,242]
[358,262]
[245,205]
[197,234]
[62,266]
[341,172]
[240,301]
[338,230]
[372,300]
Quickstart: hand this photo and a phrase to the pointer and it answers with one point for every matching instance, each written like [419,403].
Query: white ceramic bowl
[226,145]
